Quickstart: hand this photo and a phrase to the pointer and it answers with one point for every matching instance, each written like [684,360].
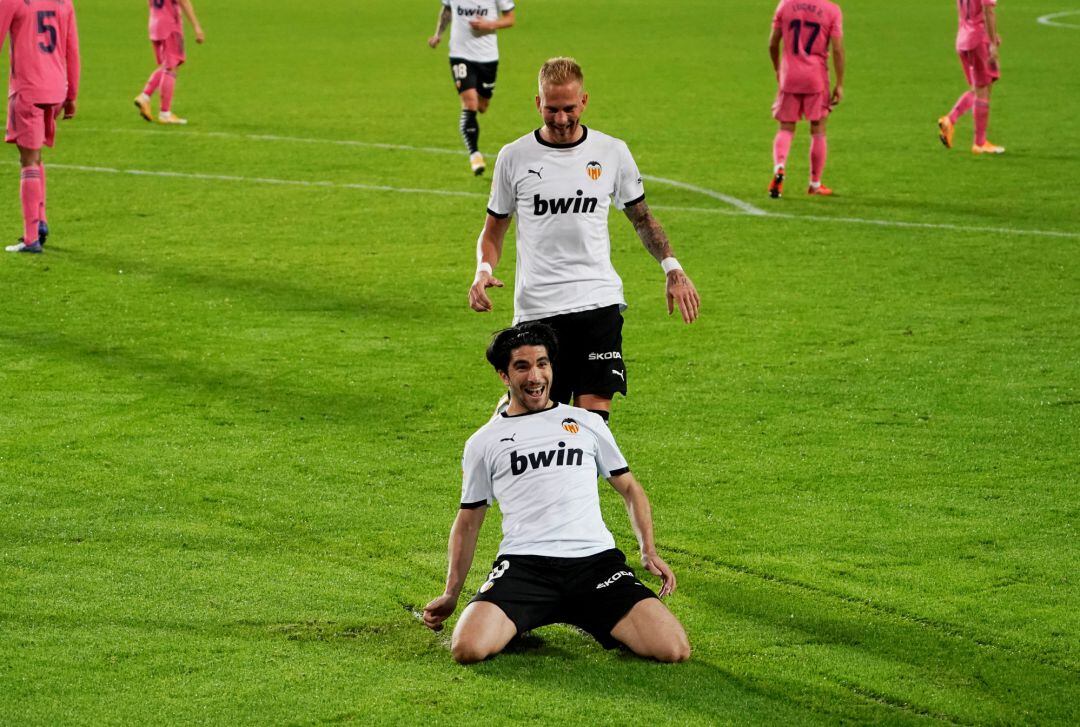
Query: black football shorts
[590,359]
[474,74]
[592,593]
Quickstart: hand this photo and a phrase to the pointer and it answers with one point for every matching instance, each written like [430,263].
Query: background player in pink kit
[44,83]
[977,44]
[167,35]
[806,30]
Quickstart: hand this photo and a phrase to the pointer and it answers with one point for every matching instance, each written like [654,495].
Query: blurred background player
[44,83]
[560,180]
[805,30]
[474,60]
[977,44]
[167,37]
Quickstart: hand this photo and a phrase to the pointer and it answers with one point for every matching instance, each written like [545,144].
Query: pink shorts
[31,125]
[170,52]
[790,107]
[977,68]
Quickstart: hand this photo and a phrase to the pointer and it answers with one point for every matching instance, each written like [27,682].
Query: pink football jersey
[164,19]
[972,31]
[807,29]
[44,52]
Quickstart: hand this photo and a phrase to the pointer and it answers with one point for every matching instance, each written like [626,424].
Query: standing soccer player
[560,181]
[44,84]
[167,37]
[806,30]
[474,60]
[977,42]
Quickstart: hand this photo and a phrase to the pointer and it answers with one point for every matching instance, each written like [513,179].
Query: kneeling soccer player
[557,562]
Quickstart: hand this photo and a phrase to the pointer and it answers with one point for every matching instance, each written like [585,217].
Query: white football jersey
[467,43]
[561,194]
[542,469]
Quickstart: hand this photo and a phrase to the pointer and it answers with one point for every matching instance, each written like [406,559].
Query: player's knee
[466,652]
[674,652]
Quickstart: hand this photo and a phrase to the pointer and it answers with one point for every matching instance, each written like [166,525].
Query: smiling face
[528,376]
[561,107]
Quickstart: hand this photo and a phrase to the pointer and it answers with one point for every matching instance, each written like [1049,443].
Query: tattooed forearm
[649,230]
[444,21]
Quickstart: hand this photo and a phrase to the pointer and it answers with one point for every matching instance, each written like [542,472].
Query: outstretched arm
[506,20]
[838,69]
[680,290]
[440,26]
[461,548]
[640,512]
[189,13]
[488,251]
[72,62]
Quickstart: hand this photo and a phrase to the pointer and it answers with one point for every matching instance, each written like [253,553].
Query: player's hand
[837,95]
[656,565]
[681,292]
[69,109]
[478,298]
[200,36]
[433,41]
[994,57]
[439,610]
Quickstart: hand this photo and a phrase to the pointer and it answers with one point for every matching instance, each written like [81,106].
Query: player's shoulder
[524,144]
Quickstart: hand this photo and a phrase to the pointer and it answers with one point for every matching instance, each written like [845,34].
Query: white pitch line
[881,223]
[269,180]
[1049,19]
[478,195]
[746,207]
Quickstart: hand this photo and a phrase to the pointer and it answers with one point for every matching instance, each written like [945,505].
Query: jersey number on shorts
[460,71]
[796,29]
[50,30]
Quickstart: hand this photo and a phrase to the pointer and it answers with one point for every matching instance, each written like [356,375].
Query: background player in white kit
[560,181]
[474,60]
[557,562]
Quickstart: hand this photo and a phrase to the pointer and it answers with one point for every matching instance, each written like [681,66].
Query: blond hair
[560,71]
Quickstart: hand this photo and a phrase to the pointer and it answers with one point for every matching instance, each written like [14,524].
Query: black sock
[470,130]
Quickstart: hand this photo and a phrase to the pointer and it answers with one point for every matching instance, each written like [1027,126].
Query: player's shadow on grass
[273,289]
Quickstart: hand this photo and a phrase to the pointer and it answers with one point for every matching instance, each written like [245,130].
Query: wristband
[669,264]
[483,267]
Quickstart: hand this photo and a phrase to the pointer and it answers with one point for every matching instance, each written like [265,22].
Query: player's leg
[785,111]
[483,630]
[781,148]
[650,630]
[29,189]
[142,101]
[174,58]
[983,76]
[819,150]
[600,368]
[43,225]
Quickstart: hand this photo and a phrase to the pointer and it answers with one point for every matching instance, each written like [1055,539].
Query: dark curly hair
[524,334]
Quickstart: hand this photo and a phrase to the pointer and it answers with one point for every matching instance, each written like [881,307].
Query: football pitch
[235,388]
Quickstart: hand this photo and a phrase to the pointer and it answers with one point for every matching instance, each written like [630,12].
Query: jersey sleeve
[505,6]
[837,30]
[476,484]
[629,189]
[72,59]
[446,3]
[501,201]
[609,458]
[777,23]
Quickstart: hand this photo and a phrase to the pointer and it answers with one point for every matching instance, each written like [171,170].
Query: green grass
[233,411]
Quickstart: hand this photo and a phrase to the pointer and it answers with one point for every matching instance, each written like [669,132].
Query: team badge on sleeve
[594,170]
[571,426]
